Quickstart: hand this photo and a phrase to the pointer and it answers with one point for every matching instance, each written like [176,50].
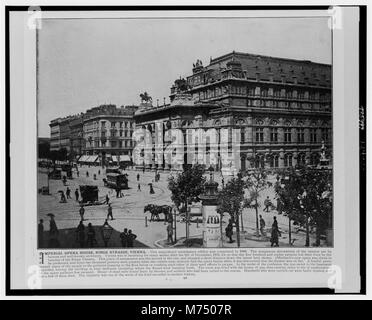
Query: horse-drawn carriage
[89,194]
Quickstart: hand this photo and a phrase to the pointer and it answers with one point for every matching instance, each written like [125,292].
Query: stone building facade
[283,107]
[76,135]
[60,134]
[107,131]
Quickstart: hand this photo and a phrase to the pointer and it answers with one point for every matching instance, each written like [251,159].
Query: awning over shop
[89,159]
[92,159]
[125,158]
[83,158]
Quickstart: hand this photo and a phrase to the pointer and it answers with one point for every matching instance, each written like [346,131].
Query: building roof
[306,72]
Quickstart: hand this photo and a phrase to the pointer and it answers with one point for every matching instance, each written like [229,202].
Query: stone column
[281,159]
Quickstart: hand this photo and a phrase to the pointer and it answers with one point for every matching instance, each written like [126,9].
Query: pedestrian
[63,197]
[53,232]
[117,192]
[151,188]
[131,238]
[91,236]
[275,233]
[138,176]
[99,172]
[87,174]
[40,233]
[77,173]
[139,187]
[170,233]
[80,234]
[77,195]
[262,226]
[267,204]
[68,193]
[64,179]
[107,200]
[124,238]
[279,206]
[229,231]
[81,212]
[109,212]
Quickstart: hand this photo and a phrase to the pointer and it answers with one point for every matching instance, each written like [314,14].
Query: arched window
[274,161]
[301,159]
[260,161]
[288,160]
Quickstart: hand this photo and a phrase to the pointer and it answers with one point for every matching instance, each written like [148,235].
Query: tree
[256,182]
[186,187]
[286,190]
[231,200]
[305,197]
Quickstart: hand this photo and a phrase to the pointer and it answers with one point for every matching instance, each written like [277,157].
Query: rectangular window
[259,135]
[287,135]
[274,134]
[301,135]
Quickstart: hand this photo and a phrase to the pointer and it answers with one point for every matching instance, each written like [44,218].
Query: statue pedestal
[211,234]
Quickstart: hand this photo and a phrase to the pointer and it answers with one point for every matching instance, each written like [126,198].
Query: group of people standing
[275,232]
[67,195]
[127,238]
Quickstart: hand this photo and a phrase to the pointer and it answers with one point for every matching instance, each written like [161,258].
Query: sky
[87,62]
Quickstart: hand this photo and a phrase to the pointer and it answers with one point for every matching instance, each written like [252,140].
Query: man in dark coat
[262,226]
[275,233]
[80,231]
[131,237]
[109,212]
[40,233]
[77,195]
[53,232]
[107,199]
[68,193]
[91,236]
[81,212]
[229,231]
[267,204]
[124,238]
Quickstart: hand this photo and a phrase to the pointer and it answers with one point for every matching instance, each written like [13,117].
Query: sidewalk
[68,239]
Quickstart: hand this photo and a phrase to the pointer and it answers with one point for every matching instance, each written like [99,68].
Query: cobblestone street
[128,211]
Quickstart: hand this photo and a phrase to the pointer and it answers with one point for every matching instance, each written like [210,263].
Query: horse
[156,210]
